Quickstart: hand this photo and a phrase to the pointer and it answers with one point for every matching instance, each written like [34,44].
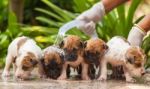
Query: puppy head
[25,64]
[52,64]
[135,59]
[93,50]
[72,46]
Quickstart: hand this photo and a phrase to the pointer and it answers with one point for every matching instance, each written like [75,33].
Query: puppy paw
[62,78]
[43,76]
[102,78]
[86,78]
[6,74]
[130,80]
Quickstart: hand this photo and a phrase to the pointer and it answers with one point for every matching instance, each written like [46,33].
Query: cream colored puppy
[120,52]
[24,54]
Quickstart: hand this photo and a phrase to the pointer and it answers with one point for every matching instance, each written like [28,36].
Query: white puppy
[24,54]
[120,52]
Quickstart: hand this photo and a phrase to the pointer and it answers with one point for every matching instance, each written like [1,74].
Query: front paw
[6,74]
[86,78]
[130,80]
[43,76]
[102,78]
[62,77]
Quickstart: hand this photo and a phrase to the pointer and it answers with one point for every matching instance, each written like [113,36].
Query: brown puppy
[73,48]
[94,49]
[52,62]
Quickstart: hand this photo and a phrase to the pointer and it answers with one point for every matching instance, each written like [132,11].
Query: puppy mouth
[92,58]
[53,69]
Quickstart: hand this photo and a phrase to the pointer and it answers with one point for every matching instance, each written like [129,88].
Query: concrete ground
[36,83]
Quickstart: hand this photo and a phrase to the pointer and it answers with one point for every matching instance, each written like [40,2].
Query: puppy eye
[138,65]
[130,60]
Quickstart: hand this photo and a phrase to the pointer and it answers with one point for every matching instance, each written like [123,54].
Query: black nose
[18,76]
[143,73]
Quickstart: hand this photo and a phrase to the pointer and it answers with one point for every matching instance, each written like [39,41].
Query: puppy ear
[84,44]
[81,45]
[61,44]
[105,46]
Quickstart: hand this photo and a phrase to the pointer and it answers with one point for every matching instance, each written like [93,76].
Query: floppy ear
[105,46]
[81,45]
[84,44]
[61,44]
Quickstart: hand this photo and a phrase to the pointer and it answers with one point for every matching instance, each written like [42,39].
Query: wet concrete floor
[37,83]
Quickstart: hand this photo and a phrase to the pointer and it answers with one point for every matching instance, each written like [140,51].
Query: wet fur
[53,61]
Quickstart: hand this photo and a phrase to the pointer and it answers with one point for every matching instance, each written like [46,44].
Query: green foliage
[118,22]
[146,47]
[3,14]
[52,15]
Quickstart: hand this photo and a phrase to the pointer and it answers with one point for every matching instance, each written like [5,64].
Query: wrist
[141,30]
[111,4]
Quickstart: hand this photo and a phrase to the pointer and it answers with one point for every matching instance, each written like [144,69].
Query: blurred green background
[41,20]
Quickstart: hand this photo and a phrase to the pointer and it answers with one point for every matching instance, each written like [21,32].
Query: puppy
[73,49]
[94,49]
[121,53]
[53,61]
[24,54]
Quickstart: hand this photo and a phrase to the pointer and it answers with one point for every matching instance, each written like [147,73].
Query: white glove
[136,35]
[87,28]
[90,17]
[94,14]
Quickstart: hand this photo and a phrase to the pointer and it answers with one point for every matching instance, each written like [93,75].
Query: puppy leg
[9,60]
[103,66]
[14,67]
[84,74]
[41,70]
[127,76]
[63,75]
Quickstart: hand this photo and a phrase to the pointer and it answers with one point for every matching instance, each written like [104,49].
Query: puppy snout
[18,76]
[143,73]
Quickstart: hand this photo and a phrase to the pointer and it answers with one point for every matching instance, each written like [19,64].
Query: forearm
[111,4]
[145,23]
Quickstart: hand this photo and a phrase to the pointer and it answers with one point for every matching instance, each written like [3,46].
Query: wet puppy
[121,53]
[52,62]
[73,48]
[94,49]
[24,54]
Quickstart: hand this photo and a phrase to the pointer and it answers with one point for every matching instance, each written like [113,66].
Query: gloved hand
[136,35]
[90,17]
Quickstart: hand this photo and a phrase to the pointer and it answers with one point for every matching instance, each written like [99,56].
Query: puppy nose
[18,76]
[143,73]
